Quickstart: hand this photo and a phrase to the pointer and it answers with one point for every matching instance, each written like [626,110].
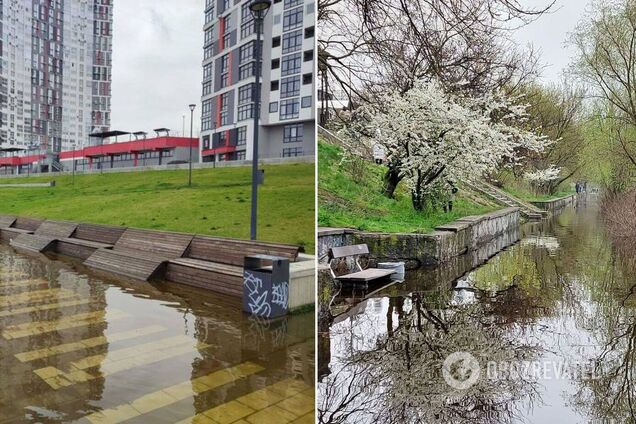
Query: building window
[245,112]
[247,70]
[292,41]
[275,63]
[206,142]
[225,70]
[292,3]
[289,109]
[224,109]
[309,32]
[289,152]
[207,88]
[308,79]
[241,136]
[290,87]
[293,19]
[305,102]
[209,15]
[308,56]
[246,94]
[273,107]
[273,86]
[240,155]
[227,40]
[293,133]
[206,115]
[225,5]
[291,64]
[246,52]
[209,35]
[207,72]
[276,42]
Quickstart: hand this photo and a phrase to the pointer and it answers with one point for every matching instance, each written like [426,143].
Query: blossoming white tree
[543,179]
[433,139]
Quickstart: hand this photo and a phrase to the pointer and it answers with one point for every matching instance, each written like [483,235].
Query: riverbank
[350,196]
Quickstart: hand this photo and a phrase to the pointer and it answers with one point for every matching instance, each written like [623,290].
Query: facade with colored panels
[129,154]
[287,105]
[55,79]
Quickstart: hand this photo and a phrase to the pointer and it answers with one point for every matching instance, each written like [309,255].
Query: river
[544,331]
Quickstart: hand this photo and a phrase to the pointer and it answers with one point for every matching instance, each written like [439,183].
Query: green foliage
[521,189]
[217,204]
[346,200]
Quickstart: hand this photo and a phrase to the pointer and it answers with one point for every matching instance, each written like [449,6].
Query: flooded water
[77,348]
[545,331]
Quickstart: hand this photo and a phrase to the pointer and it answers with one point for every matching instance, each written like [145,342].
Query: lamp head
[192,106]
[260,7]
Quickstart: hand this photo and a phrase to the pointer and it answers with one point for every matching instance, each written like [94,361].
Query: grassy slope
[217,204]
[522,190]
[343,202]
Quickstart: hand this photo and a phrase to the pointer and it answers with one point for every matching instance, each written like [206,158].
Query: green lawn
[217,204]
[350,196]
[528,195]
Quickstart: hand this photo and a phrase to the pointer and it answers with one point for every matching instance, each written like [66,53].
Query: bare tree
[368,47]
[606,45]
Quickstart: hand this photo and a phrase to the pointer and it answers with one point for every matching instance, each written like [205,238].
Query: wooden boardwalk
[212,263]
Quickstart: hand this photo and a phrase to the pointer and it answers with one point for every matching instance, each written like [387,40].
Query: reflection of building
[287,107]
[55,72]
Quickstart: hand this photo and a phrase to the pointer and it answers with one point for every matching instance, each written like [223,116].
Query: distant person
[578,188]
[448,207]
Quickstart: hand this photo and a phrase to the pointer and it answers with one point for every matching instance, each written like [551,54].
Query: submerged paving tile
[121,351]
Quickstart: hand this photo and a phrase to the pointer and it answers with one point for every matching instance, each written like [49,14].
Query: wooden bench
[20,226]
[216,263]
[6,221]
[361,275]
[140,254]
[87,239]
[44,237]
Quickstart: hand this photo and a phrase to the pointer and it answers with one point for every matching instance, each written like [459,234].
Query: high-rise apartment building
[287,103]
[55,72]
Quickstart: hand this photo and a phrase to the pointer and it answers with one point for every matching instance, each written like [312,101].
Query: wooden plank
[32,242]
[167,244]
[233,252]
[59,229]
[6,221]
[137,266]
[99,233]
[30,224]
[353,250]
[367,275]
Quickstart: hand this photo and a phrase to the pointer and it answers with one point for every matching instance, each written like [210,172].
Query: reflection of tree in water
[399,378]
[611,395]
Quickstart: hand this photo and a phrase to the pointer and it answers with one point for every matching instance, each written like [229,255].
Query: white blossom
[543,176]
[431,135]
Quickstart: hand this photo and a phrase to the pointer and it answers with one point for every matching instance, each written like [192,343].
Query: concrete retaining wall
[302,282]
[416,250]
[556,204]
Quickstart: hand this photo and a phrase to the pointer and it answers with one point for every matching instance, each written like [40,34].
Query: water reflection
[561,298]
[77,348]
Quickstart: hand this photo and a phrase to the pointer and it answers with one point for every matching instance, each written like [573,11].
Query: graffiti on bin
[261,301]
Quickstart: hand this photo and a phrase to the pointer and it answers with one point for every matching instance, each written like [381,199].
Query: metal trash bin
[266,286]
[397,266]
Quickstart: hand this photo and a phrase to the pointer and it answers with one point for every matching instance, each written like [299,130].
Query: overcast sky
[549,34]
[157,54]
[157,71]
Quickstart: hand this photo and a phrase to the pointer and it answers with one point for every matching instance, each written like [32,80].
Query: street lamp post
[73,147]
[259,9]
[192,106]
